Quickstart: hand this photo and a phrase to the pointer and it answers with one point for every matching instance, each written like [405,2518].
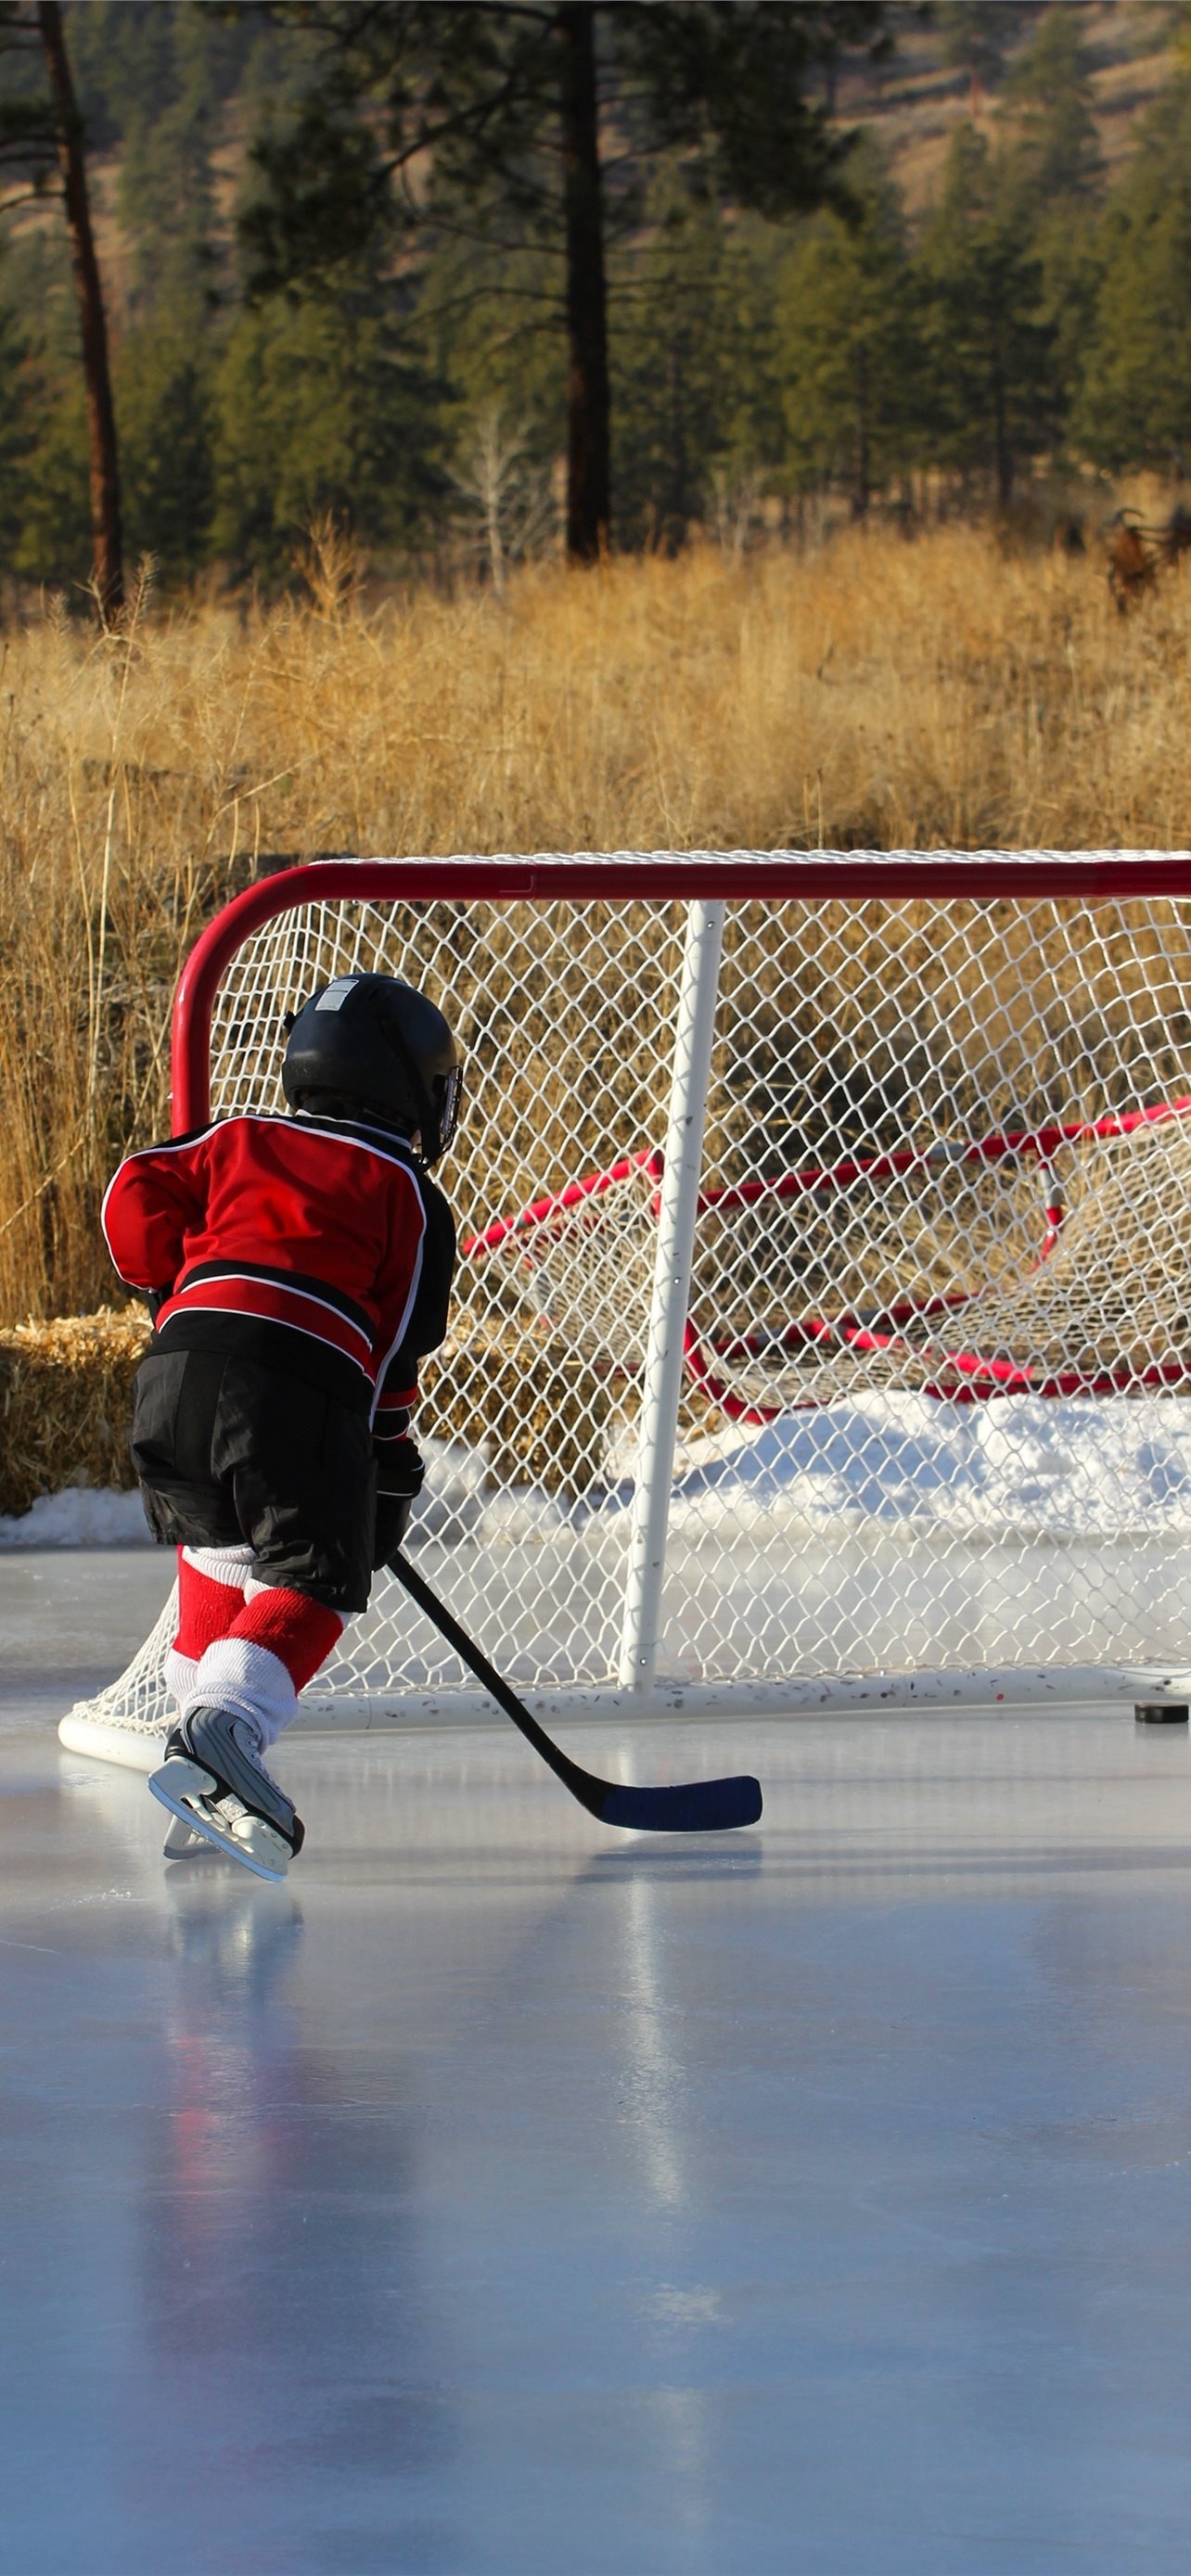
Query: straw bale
[66,1403]
[539,1412]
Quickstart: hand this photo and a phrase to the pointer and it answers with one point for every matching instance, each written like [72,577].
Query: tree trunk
[1004,452]
[589,475]
[675,515]
[862,487]
[107,550]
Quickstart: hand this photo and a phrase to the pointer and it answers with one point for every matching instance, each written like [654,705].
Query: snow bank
[1117,1467]
[1114,1467]
[1026,1467]
[83,1516]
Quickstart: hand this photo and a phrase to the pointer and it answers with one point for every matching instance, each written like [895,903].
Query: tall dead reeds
[940,693]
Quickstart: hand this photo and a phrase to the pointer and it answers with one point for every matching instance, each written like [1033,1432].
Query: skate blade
[184,1787]
[184,1842]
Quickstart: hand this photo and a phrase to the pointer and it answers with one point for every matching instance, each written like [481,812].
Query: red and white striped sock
[265,1655]
[211,1584]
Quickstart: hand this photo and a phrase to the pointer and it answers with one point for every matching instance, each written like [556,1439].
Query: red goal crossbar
[731,876]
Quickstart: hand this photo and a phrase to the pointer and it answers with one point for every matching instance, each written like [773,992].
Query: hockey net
[993,1268]
[946,1157]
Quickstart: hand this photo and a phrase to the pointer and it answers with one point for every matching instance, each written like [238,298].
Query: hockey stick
[697,1807]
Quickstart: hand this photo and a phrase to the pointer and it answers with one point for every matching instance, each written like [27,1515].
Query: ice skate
[215,1785]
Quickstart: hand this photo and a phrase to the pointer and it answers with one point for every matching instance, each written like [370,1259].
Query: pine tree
[323,409]
[1054,172]
[17,432]
[165,375]
[1134,405]
[976,36]
[41,134]
[685,364]
[49,496]
[484,317]
[847,342]
[125,63]
[166,405]
[501,105]
[989,345]
[1049,106]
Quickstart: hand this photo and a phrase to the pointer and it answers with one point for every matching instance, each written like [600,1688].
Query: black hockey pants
[230,1452]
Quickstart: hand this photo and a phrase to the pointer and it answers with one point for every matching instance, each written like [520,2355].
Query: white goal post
[822,1335]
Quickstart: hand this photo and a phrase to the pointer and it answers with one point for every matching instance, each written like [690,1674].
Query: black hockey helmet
[383,1046]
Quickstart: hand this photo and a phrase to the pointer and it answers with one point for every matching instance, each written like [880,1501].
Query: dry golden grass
[884,693]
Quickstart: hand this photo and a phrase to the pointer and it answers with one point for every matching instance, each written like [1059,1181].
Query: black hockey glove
[156,1298]
[402,1474]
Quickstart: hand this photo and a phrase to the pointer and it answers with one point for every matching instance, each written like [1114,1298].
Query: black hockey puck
[1160,1712]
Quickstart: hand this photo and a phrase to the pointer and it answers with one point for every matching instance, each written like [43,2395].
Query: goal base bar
[1016,1686]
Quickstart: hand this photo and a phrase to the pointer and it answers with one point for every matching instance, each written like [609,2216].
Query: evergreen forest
[324,307]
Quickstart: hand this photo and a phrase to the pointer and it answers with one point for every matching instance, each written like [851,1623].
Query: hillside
[915,103]
[912,104]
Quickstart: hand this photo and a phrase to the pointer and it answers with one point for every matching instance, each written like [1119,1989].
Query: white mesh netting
[1005,1268]
[927,1173]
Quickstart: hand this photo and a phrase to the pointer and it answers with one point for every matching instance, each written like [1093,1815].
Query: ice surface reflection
[498,2196]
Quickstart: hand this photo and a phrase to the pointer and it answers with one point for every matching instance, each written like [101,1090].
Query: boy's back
[323,1227]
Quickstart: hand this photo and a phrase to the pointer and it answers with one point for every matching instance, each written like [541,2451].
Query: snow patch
[82,1516]
[451,1506]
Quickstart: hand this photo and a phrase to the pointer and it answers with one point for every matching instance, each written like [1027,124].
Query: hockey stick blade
[701,1807]
[693,1807]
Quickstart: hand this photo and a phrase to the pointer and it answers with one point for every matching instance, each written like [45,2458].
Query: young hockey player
[297,1269]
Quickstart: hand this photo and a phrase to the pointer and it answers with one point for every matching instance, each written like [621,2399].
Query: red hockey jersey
[326,1232]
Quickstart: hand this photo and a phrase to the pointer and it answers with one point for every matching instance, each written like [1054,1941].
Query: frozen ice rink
[503,2194]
